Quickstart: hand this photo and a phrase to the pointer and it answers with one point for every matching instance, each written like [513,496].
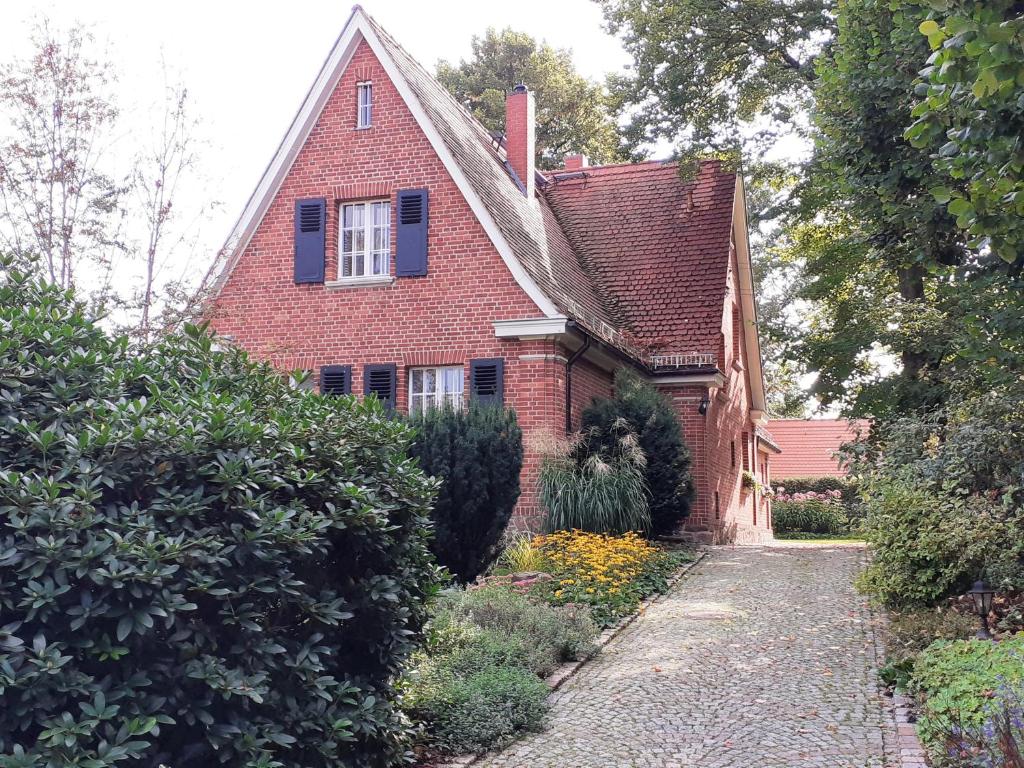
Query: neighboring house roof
[809,446]
[633,254]
[658,246]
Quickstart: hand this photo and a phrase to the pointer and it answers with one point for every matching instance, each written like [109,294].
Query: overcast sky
[248,65]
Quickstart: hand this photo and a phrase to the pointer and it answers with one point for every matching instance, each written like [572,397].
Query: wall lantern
[705,401]
[982,594]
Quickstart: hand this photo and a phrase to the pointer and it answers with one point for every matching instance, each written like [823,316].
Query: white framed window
[365,239]
[433,387]
[364,101]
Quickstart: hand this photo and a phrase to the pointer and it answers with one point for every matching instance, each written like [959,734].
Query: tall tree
[574,114]
[57,201]
[161,174]
[877,262]
[711,74]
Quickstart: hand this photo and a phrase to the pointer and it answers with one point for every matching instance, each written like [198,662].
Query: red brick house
[394,246]
[809,446]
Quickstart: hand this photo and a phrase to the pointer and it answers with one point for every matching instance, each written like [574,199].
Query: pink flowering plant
[833,496]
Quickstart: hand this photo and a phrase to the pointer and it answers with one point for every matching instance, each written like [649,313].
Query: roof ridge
[415,62]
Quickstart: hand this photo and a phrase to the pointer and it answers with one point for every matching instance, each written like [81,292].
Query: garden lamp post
[982,594]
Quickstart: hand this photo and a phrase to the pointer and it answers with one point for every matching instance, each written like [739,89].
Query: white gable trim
[358,28]
[748,306]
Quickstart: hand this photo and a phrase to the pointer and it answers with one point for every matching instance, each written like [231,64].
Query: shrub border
[568,670]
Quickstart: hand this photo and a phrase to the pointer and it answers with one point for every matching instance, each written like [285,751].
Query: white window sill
[364,127]
[373,281]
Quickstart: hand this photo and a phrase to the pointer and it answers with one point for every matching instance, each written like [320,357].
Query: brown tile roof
[658,246]
[631,252]
[809,446]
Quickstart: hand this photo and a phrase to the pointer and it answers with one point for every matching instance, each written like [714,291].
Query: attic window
[364,113]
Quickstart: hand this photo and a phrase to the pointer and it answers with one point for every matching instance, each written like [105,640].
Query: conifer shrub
[667,472]
[201,564]
[476,454]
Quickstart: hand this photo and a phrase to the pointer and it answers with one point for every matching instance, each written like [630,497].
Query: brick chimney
[576,162]
[520,135]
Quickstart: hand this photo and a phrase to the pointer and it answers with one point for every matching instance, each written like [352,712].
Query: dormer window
[364,99]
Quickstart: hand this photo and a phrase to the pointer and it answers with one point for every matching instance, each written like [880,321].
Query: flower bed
[480,679]
[610,574]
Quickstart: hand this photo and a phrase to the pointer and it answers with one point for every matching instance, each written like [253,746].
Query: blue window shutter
[487,381]
[382,381]
[336,380]
[310,240]
[411,240]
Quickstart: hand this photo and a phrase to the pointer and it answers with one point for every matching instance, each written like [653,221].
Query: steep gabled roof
[658,246]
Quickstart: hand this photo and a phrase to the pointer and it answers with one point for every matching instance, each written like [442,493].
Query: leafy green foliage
[667,472]
[477,454]
[957,678]
[971,117]
[701,68]
[554,634]
[202,565]
[594,491]
[478,682]
[811,516]
[944,500]
[485,709]
[574,115]
[876,242]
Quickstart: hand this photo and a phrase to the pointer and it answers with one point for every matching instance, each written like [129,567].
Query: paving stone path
[761,657]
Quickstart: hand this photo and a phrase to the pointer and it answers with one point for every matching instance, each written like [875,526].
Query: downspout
[568,381]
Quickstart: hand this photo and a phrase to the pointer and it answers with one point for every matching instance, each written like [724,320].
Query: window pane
[453,380]
[346,265]
[346,215]
[416,381]
[429,380]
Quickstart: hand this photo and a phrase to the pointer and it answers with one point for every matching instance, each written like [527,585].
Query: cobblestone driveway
[762,657]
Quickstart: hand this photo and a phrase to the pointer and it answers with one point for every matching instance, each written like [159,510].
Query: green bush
[477,454]
[929,546]
[487,652]
[956,680]
[812,516]
[945,502]
[567,630]
[597,492]
[667,473]
[483,710]
[202,565]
